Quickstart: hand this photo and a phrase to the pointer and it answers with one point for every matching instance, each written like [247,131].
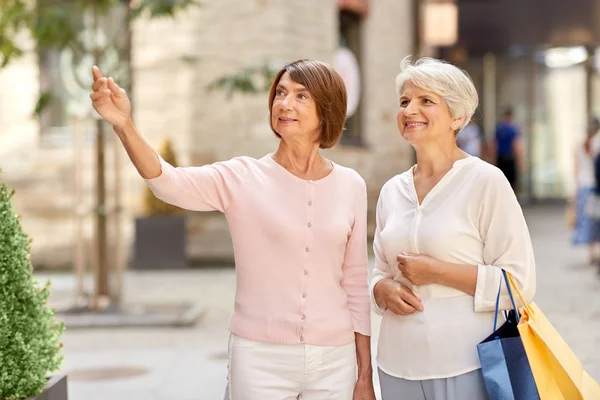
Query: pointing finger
[96,73]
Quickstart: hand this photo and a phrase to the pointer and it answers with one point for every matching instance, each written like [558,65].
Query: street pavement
[191,363]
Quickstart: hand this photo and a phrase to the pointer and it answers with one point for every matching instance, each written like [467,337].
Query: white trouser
[265,371]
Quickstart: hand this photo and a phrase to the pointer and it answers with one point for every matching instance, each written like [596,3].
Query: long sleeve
[207,188]
[381,269]
[471,217]
[355,281]
[507,246]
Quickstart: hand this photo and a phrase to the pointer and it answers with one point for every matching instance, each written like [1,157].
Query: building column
[590,72]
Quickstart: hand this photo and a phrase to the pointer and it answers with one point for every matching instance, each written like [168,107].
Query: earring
[453,127]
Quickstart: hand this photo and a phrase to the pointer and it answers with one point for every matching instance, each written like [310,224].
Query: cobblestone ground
[191,363]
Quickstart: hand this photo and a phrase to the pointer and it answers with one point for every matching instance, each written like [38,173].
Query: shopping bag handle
[512,300]
[511,283]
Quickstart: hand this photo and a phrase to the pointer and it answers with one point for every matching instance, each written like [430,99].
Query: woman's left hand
[363,390]
[417,268]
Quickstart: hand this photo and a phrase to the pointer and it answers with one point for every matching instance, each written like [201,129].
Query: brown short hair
[329,92]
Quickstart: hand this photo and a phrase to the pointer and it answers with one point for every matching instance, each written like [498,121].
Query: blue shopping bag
[504,363]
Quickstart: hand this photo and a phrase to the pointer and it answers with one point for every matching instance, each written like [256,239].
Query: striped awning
[360,7]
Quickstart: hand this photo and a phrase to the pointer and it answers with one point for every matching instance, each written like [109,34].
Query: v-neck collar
[456,166]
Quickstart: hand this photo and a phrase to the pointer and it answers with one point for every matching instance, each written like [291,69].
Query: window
[350,39]
[54,114]
[65,75]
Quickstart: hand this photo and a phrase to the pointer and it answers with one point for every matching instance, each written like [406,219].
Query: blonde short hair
[446,80]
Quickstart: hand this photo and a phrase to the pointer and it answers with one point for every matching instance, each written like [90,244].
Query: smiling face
[424,116]
[294,111]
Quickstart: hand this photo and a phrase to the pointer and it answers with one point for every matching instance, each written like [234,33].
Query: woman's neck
[302,160]
[437,160]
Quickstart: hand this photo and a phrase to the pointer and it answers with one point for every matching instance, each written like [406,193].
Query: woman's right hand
[110,101]
[396,297]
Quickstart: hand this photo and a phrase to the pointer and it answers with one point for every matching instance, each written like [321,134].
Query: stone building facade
[174,61]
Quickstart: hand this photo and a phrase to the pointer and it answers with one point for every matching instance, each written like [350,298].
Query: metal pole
[79,212]
[102,292]
[119,259]
[489,99]
[120,250]
[102,285]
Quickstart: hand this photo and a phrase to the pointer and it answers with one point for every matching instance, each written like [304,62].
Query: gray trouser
[469,386]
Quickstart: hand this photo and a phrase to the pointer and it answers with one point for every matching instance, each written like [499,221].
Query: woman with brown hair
[301,320]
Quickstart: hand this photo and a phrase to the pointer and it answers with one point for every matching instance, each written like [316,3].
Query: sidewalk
[191,363]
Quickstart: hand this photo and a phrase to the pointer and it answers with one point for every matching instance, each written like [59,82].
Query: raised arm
[112,103]
[207,188]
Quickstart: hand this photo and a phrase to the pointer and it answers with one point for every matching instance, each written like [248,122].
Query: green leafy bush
[29,334]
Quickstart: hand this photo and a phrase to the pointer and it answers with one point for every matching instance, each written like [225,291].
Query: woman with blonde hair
[446,229]
[301,320]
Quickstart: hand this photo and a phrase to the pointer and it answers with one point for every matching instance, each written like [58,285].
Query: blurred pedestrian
[446,229]
[298,221]
[507,148]
[469,139]
[586,230]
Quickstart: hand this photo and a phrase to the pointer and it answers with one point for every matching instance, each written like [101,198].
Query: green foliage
[29,334]
[60,25]
[44,101]
[152,205]
[51,23]
[13,17]
[251,79]
[162,8]
[57,24]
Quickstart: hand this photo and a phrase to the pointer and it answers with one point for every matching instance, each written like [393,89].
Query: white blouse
[470,217]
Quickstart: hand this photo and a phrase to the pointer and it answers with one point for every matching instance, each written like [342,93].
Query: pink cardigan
[300,246]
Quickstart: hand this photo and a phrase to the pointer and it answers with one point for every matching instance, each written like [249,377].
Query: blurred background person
[469,139]
[507,149]
[585,228]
